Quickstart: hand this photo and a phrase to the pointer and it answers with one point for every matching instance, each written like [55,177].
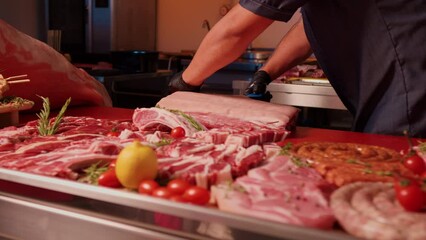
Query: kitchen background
[91,29]
[179,24]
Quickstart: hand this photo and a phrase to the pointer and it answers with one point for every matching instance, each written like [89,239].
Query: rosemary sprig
[44,127]
[194,123]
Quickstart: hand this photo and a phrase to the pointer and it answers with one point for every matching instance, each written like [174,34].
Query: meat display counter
[41,207]
[316,93]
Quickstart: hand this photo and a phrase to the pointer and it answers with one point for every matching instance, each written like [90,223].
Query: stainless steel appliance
[114,25]
[101,26]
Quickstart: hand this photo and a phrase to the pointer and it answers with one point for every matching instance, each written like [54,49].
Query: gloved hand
[178,84]
[257,86]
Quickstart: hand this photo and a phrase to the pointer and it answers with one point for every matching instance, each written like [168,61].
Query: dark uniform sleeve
[279,10]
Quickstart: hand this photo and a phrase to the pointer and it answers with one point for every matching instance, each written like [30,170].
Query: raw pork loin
[209,127]
[280,191]
[51,74]
[243,108]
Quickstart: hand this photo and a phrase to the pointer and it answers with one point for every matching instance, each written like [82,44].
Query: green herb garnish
[194,123]
[163,142]
[299,162]
[93,172]
[285,150]
[354,161]
[422,147]
[44,127]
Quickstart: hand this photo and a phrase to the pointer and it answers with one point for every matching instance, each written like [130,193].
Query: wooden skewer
[18,81]
[16,77]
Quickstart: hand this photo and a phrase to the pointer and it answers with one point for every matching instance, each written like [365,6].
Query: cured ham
[51,74]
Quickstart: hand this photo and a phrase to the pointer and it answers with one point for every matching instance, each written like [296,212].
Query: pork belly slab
[279,191]
[232,106]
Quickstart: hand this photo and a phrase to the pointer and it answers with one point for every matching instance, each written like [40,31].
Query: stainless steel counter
[40,207]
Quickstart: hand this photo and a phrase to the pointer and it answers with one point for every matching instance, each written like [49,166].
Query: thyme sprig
[44,127]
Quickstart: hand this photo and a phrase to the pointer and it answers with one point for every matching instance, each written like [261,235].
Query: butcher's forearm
[292,50]
[227,40]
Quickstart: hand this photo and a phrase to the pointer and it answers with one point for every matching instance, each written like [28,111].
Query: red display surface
[300,135]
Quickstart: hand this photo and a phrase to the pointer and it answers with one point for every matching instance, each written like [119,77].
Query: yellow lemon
[136,162]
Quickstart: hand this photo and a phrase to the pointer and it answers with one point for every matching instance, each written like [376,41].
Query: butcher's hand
[178,84]
[257,86]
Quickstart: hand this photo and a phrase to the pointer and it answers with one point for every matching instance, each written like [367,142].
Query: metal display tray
[305,94]
[40,207]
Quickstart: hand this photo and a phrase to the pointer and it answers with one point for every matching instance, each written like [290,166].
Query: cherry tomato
[411,197]
[178,186]
[197,195]
[162,192]
[177,132]
[113,134]
[109,179]
[147,187]
[415,163]
[178,198]
[112,163]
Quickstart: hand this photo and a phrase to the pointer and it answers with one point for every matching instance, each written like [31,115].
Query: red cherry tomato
[197,195]
[415,163]
[162,192]
[411,197]
[178,186]
[178,198]
[109,179]
[147,187]
[113,134]
[177,132]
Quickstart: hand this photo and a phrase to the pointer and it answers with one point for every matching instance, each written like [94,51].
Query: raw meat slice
[243,108]
[51,74]
[279,191]
[206,164]
[213,128]
[157,118]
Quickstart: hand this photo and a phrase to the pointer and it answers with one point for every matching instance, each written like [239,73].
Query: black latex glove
[178,84]
[257,86]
